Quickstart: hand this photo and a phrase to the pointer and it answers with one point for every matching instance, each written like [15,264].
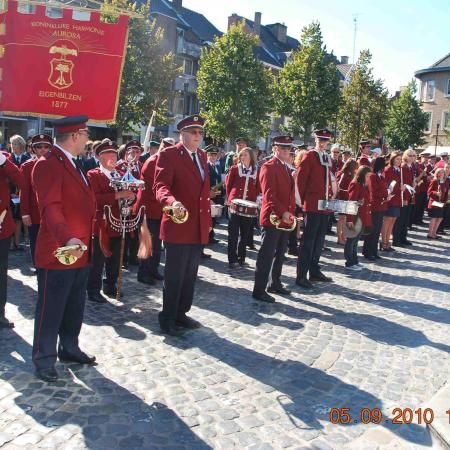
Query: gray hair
[18,140]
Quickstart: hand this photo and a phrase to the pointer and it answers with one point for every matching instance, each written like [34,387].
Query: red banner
[60,67]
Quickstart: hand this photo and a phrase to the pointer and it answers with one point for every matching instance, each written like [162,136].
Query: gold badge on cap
[195,119]
[41,136]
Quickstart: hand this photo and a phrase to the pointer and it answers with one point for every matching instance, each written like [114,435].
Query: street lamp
[436,141]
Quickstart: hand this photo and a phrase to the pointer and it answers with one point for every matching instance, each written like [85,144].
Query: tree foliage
[406,121]
[364,106]
[148,72]
[234,88]
[308,86]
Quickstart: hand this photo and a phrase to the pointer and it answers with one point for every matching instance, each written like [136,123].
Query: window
[188,67]
[447,87]
[178,105]
[428,127]
[428,91]
[54,13]
[25,8]
[445,124]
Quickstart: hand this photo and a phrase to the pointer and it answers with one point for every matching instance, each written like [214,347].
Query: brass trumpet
[275,220]
[64,257]
[169,210]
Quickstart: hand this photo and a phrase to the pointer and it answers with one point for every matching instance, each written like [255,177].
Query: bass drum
[244,208]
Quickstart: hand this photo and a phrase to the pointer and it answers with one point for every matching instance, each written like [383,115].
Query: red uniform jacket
[390,174]
[235,184]
[28,200]
[104,195]
[423,183]
[67,207]
[177,179]
[311,182]
[9,173]
[433,192]
[378,193]
[146,196]
[364,161]
[336,165]
[277,187]
[359,193]
[408,178]
[343,183]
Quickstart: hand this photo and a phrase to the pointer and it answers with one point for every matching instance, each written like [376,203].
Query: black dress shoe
[188,322]
[97,298]
[111,293]
[252,247]
[5,323]
[205,255]
[157,276]
[279,290]
[80,358]
[407,243]
[378,257]
[146,279]
[213,241]
[49,375]
[171,330]
[233,265]
[304,283]
[264,297]
[320,277]
[370,258]
[244,264]
[293,252]
[326,249]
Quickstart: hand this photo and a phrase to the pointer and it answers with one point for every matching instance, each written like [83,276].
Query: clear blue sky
[403,36]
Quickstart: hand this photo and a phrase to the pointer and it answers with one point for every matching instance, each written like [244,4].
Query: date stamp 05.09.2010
[400,416]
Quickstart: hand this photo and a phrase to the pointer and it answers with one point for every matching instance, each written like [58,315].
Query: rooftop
[443,65]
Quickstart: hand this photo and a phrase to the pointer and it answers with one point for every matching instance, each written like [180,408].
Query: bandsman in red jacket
[9,174]
[148,271]
[67,207]
[438,196]
[312,182]
[182,183]
[40,145]
[278,193]
[424,178]
[365,151]
[106,240]
[336,159]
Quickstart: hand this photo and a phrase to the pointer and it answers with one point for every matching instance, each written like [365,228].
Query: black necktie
[79,168]
[194,158]
[246,171]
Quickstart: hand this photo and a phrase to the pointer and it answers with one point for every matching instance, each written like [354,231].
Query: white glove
[2,158]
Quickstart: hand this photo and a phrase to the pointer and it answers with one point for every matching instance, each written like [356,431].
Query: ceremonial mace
[125,223]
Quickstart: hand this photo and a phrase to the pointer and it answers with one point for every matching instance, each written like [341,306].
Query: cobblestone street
[256,376]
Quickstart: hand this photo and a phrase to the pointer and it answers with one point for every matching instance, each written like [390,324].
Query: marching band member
[148,272]
[215,181]
[400,230]
[344,178]
[379,198]
[336,160]
[9,173]
[105,238]
[346,155]
[424,177]
[153,147]
[365,152]
[277,188]
[393,180]
[67,207]
[438,196]
[358,192]
[40,145]
[241,143]
[241,183]
[312,181]
[445,222]
[182,183]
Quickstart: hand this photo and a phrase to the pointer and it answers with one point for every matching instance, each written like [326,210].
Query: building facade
[434,91]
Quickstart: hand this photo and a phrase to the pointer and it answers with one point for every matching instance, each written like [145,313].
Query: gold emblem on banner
[61,68]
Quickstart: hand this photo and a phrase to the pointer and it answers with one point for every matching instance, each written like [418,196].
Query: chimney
[257,24]
[233,20]
[280,32]
[344,59]
[177,5]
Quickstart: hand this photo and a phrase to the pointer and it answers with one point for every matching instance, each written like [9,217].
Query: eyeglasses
[38,146]
[84,132]
[200,132]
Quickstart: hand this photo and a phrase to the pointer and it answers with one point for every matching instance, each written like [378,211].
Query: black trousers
[99,262]
[400,231]
[239,229]
[419,208]
[59,313]
[270,256]
[131,248]
[4,251]
[150,265]
[445,223]
[351,251]
[33,232]
[370,247]
[313,240]
[180,274]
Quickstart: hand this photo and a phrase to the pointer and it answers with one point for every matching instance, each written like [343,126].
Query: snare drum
[244,208]
[339,206]
[216,210]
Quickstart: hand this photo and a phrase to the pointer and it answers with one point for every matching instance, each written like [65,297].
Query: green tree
[308,86]
[148,71]
[235,89]
[364,105]
[406,122]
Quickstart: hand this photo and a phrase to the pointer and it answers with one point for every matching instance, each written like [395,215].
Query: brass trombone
[170,211]
[275,220]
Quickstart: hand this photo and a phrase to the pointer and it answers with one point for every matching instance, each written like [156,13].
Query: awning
[431,149]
